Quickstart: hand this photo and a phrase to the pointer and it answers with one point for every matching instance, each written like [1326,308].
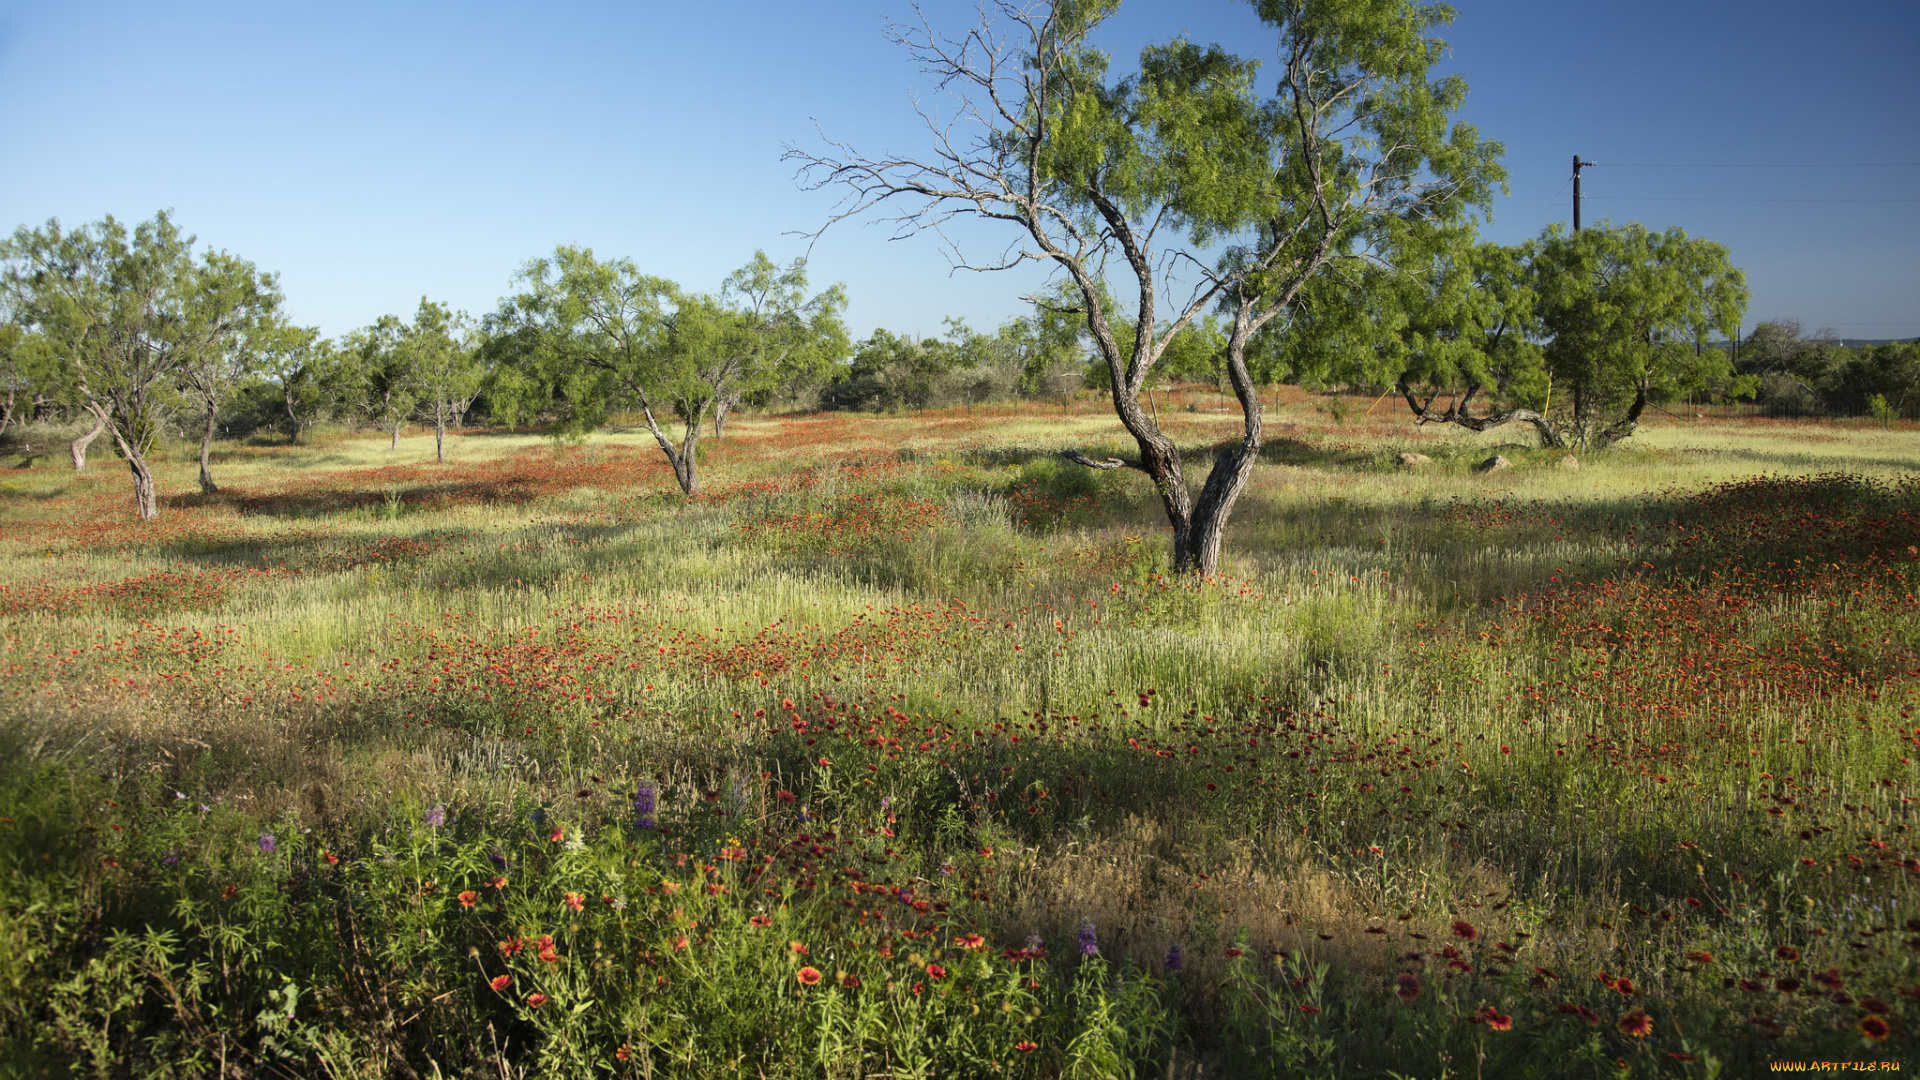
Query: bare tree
[1252,195]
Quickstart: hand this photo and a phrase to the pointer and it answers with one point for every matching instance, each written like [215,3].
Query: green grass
[1537,718]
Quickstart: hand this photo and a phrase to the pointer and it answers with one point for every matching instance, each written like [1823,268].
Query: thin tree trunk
[207,486]
[440,431]
[395,445]
[720,409]
[6,416]
[79,447]
[293,418]
[145,502]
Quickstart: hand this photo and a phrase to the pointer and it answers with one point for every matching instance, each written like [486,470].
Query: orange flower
[971,941]
[498,882]
[557,835]
[625,1053]
[575,900]
[798,948]
[809,976]
[534,1001]
[761,920]
[499,983]
[469,898]
[1025,1046]
[1636,1023]
[1874,1028]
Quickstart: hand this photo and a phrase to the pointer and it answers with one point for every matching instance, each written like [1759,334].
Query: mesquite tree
[1626,309]
[1183,166]
[442,365]
[229,304]
[779,333]
[118,303]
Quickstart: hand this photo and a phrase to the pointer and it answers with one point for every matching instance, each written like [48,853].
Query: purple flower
[267,843]
[886,802]
[1174,963]
[643,806]
[436,817]
[498,860]
[1089,941]
[170,860]
[1034,940]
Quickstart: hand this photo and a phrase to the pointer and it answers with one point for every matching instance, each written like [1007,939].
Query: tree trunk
[79,447]
[145,502]
[207,486]
[6,415]
[440,432]
[293,418]
[1231,471]
[720,409]
[1626,425]
[395,445]
[683,457]
[1457,412]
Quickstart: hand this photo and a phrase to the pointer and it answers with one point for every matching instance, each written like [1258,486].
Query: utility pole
[1577,163]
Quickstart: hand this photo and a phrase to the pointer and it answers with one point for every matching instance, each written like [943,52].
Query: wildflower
[1465,930]
[500,982]
[1407,986]
[1875,1005]
[1310,1010]
[799,949]
[935,971]
[1027,1047]
[1700,956]
[970,941]
[1787,953]
[643,806]
[267,843]
[850,981]
[625,1053]
[534,1001]
[1089,942]
[809,976]
[558,834]
[498,882]
[919,988]
[436,817]
[1624,985]
[886,802]
[575,900]
[331,858]
[1874,1028]
[761,920]
[469,898]
[1233,952]
[1174,961]
[170,860]
[1636,1024]
[1495,1019]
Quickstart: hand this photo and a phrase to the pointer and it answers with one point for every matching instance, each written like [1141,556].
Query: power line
[1808,165]
[1720,198]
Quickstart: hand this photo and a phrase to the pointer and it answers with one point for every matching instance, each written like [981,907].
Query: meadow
[899,752]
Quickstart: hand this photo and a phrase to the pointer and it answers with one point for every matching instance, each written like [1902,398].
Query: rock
[1570,463]
[1493,464]
[1413,461]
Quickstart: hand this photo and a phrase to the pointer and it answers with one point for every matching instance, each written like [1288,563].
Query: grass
[1445,772]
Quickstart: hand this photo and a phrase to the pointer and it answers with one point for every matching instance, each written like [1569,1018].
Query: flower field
[899,752]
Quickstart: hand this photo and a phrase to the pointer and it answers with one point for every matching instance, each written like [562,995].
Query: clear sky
[372,153]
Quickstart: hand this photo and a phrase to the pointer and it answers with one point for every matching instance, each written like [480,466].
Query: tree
[591,333]
[1351,154]
[230,304]
[1470,328]
[384,389]
[443,368]
[780,335]
[305,369]
[119,305]
[1626,310]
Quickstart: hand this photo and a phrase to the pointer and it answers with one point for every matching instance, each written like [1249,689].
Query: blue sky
[374,152]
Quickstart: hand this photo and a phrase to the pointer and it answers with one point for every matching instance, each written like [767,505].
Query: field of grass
[898,752]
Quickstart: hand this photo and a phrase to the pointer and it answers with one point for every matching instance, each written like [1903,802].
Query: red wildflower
[761,920]
[1787,953]
[1465,930]
[469,898]
[1875,1028]
[574,900]
[499,982]
[534,1001]
[1025,1046]
[935,971]
[1407,986]
[808,976]
[1636,1024]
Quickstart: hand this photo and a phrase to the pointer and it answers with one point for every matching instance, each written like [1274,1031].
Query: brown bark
[1626,425]
[79,447]
[721,407]
[146,503]
[207,486]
